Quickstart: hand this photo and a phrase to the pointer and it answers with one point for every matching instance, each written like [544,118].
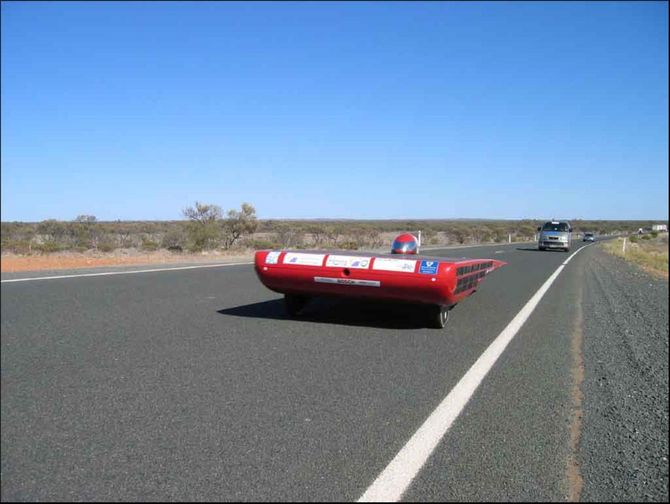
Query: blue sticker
[428,267]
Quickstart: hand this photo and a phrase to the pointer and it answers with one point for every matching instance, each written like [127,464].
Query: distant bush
[174,239]
[55,231]
[654,234]
[288,236]
[262,244]
[149,245]
[17,246]
[50,246]
[646,237]
[106,246]
[634,239]
[208,227]
[349,245]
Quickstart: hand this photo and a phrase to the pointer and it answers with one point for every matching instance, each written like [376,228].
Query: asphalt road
[193,385]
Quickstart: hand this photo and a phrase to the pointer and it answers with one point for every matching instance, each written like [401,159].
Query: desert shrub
[55,231]
[85,231]
[317,234]
[148,244]
[50,246]
[288,236]
[174,239]
[349,245]
[458,234]
[262,244]
[106,246]
[646,237]
[634,239]
[428,235]
[18,246]
[654,234]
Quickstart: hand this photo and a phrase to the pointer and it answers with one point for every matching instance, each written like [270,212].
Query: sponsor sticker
[272,257]
[348,281]
[304,259]
[341,261]
[428,267]
[386,264]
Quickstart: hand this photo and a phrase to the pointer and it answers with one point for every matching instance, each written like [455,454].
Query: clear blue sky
[353,110]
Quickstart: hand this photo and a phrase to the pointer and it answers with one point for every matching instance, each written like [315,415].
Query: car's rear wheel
[294,304]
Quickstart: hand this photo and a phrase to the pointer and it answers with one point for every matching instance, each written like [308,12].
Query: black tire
[294,304]
[439,316]
[541,249]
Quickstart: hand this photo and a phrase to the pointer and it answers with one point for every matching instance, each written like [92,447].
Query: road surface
[193,385]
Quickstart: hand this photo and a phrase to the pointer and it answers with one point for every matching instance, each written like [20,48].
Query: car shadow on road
[349,312]
[535,249]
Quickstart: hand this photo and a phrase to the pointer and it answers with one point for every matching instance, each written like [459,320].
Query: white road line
[394,480]
[106,273]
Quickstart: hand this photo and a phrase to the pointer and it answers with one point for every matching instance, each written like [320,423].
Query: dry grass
[651,255]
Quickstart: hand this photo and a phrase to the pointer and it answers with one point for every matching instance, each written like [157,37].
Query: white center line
[107,273]
[394,480]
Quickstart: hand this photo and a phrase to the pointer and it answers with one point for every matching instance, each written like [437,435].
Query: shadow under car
[342,311]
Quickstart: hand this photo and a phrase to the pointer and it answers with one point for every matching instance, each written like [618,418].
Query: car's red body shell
[408,278]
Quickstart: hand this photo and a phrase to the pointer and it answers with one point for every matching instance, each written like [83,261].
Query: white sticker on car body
[342,261]
[348,281]
[272,257]
[402,265]
[303,259]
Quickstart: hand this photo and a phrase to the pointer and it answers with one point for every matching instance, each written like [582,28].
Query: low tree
[238,224]
[203,228]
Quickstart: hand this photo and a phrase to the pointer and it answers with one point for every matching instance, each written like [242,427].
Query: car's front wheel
[439,315]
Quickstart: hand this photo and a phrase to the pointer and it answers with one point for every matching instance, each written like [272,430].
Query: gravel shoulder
[623,449]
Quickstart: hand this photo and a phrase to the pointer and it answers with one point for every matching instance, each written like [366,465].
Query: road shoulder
[623,450]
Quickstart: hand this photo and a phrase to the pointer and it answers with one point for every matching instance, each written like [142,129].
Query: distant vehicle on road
[589,237]
[555,235]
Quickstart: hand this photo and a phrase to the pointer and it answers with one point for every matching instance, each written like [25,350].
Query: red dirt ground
[14,263]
